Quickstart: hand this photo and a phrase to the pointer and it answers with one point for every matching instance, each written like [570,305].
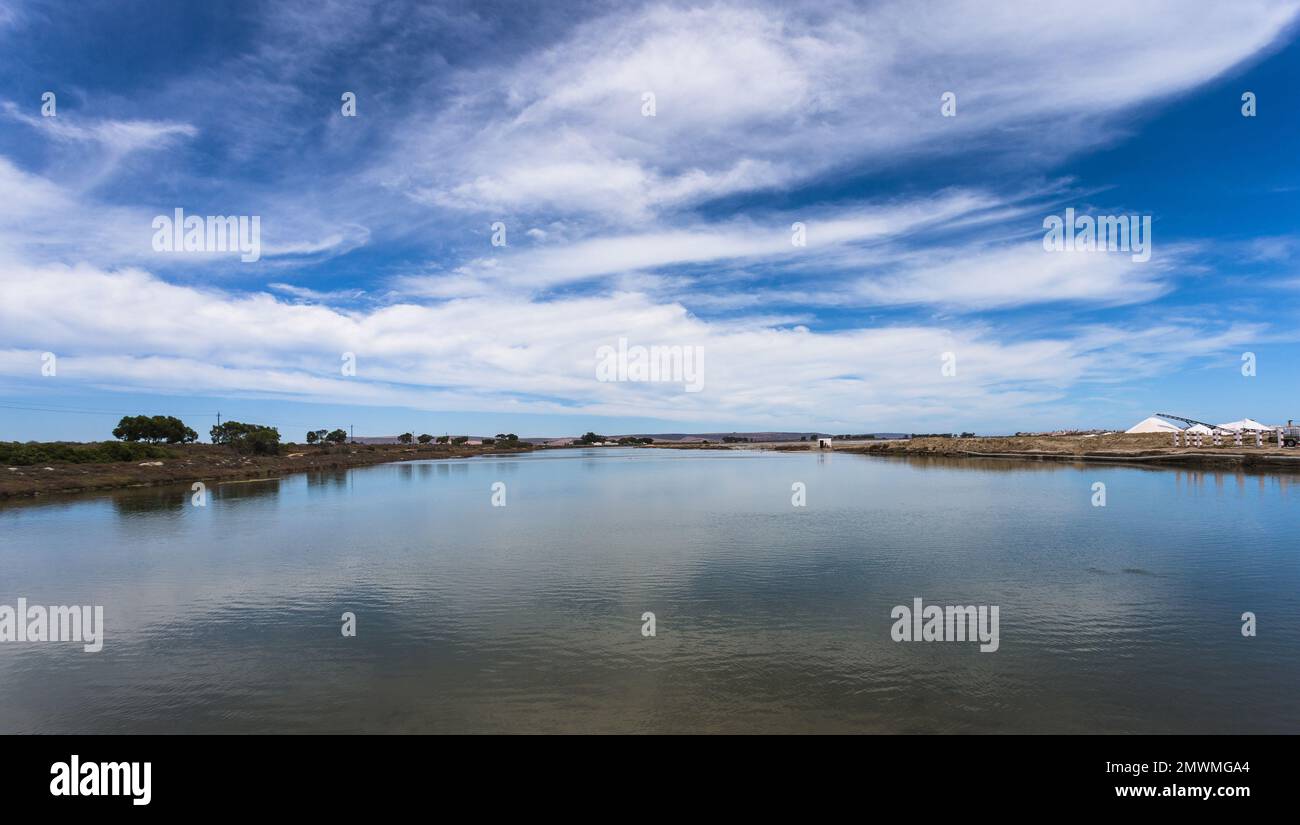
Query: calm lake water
[769,617]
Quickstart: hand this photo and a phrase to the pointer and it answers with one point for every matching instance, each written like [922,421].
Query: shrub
[16,454]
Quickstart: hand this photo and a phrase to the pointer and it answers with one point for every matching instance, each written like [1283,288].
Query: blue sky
[924,232]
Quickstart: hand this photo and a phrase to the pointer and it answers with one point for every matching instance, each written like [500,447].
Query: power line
[79,411]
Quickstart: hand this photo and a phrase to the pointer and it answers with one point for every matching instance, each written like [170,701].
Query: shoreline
[1170,460]
[218,465]
[1149,450]
[1141,450]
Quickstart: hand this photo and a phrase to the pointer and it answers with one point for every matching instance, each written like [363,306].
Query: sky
[839,208]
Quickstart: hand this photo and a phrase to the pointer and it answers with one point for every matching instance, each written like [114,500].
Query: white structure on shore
[1154,425]
[1246,425]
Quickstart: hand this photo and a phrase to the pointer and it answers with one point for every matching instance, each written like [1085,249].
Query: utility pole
[352,433]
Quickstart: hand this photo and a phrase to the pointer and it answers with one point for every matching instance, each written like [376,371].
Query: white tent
[1154,425]
[1199,428]
[1245,424]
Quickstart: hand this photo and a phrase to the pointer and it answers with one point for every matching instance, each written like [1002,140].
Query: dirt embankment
[207,463]
[1144,448]
[1155,449]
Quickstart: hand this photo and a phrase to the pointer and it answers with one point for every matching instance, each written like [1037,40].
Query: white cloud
[129,330]
[1018,275]
[699,244]
[118,136]
[757,96]
[43,220]
[748,97]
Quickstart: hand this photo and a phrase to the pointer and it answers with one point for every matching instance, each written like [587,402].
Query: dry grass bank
[207,463]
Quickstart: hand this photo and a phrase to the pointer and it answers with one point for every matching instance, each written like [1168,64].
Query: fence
[1184,439]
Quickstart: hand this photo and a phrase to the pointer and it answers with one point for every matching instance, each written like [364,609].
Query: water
[474,618]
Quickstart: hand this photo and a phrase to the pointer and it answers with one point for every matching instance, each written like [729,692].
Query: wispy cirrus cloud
[811,91]
[118,136]
[922,231]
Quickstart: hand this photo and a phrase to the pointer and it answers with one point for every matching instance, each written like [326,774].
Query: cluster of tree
[327,437]
[590,438]
[735,439]
[510,437]
[247,438]
[425,438]
[405,438]
[153,429]
[942,435]
[631,441]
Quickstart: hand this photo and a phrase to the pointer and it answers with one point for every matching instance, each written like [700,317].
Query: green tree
[337,436]
[442,439]
[460,439]
[406,438]
[424,438]
[154,429]
[247,438]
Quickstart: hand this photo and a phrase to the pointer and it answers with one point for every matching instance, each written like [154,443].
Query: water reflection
[324,480]
[245,490]
[148,500]
[770,617]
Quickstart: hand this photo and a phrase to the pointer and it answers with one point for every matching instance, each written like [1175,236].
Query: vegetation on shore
[187,463]
[590,438]
[18,454]
[249,451]
[238,451]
